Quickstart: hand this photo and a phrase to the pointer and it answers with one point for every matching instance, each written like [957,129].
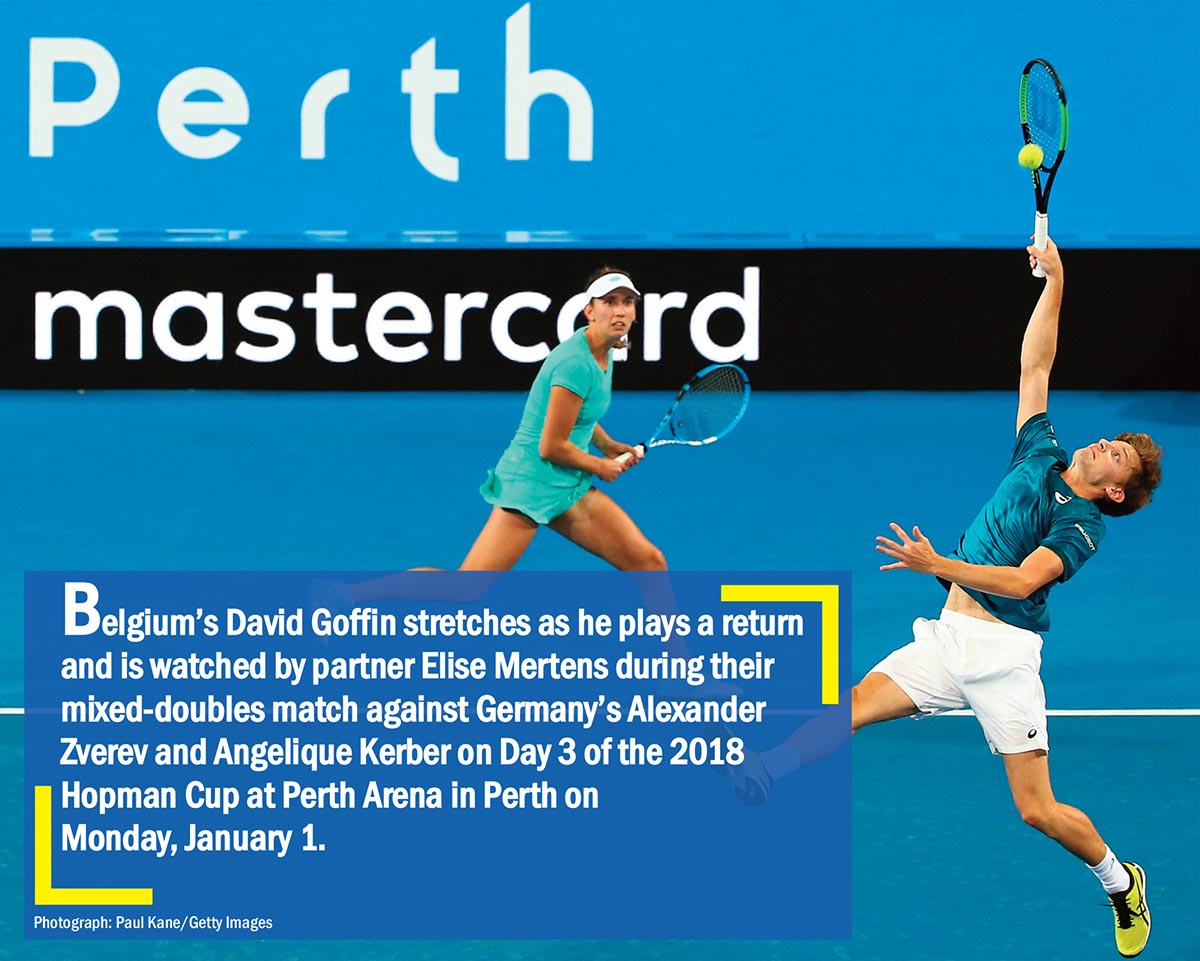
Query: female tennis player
[546,476]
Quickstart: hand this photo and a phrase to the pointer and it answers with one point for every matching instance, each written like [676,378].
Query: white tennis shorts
[958,662]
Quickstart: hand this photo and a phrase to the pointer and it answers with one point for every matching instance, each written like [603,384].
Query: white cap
[608,283]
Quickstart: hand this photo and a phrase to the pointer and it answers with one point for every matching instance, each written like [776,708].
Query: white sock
[781,759]
[1112,873]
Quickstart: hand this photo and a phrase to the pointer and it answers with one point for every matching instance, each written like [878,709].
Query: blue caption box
[549,755]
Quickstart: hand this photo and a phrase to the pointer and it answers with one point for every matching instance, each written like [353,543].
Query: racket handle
[1041,232]
[628,455]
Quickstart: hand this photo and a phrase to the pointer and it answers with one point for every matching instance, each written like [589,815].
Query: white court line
[1116,712]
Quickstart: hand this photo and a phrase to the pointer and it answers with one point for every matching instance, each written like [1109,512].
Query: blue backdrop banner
[624,123]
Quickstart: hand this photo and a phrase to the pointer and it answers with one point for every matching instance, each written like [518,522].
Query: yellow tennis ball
[1031,156]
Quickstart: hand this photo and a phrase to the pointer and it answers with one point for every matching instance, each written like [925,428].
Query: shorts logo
[1032,733]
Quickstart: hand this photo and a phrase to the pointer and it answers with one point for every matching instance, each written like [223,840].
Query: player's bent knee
[1038,816]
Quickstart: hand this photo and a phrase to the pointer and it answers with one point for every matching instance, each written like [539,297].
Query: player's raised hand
[913,553]
[1049,259]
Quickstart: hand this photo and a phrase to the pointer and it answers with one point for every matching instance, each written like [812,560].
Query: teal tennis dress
[523,480]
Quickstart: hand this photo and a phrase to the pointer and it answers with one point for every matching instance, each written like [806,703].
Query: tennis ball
[1031,156]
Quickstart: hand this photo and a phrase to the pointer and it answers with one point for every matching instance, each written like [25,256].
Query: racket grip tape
[628,455]
[1041,233]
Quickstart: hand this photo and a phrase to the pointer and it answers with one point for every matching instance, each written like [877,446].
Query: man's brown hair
[1140,487]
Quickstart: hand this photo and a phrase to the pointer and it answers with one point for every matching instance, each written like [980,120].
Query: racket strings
[1043,113]
[711,406]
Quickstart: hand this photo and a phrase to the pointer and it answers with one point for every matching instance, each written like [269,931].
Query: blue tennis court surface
[943,867]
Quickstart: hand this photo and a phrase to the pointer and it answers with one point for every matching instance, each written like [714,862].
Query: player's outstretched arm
[1041,336]
[916,553]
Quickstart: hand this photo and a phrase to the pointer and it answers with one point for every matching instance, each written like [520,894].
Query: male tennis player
[984,652]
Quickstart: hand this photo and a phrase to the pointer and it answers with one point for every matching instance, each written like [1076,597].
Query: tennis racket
[1043,122]
[706,408]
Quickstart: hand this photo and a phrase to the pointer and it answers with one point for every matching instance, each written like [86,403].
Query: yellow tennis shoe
[1132,914]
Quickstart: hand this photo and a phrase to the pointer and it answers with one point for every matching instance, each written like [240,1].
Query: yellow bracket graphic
[44,891]
[824,594]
